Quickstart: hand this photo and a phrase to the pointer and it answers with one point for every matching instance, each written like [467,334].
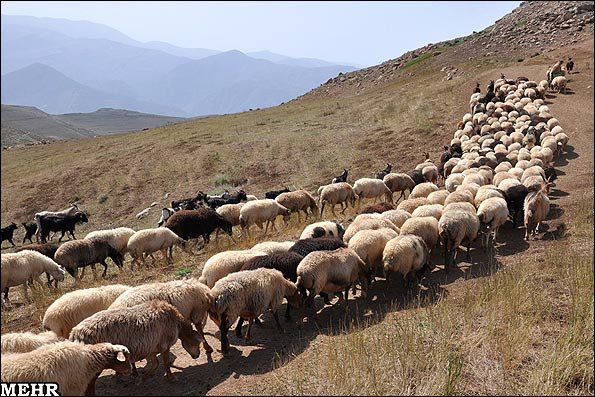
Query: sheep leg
[322,209]
[60,239]
[153,364]
[333,209]
[250,322]
[287,314]
[273,225]
[223,329]
[168,361]
[104,268]
[239,327]
[10,241]
[276,317]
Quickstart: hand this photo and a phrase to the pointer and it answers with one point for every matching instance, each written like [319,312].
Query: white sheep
[337,193]
[20,267]
[117,238]
[259,211]
[224,263]
[559,84]
[146,329]
[191,297]
[73,307]
[407,255]
[399,183]
[425,227]
[231,213]
[369,244]
[453,180]
[23,342]
[434,210]
[397,217]
[459,222]
[410,205]
[366,223]
[249,293]
[460,195]
[492,213]
[536,207]
[423,190]
[146,241]
[322,229]
[484,194]
[73,366]
[297,201]
[270,247]
[438,197]
[430,173]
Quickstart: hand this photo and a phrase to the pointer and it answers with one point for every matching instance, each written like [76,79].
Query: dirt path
[244,371]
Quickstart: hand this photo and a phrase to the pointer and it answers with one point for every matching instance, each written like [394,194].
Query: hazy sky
[365,33]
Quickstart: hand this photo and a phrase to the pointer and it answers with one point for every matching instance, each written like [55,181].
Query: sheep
[452,181]
[30,229]
[438,197]
[298,200]
[337,193]
[47,249]
[456,225]
[536,208]
[147,329]
[559,84]
[434,210]
[73,366]
[146,241]
[407,255]
[342,177]
[361,223]
[397,217]
[492,213]
[561,140]
[73,307]
[460,195]
[19,267]
[117,238]
[248,294]
[329,272]
[271,247]
[425,227]
[484,194]
[321,229]
[80,253]
[274,193]
[24,342]
[259,211]
[224,263]
[430,173]
[423,190]
[8,231]
[231,213]
[191,297]
[399,183]
[410,205]
[251,197]
[377,208]
[369,245]
[305,246]
[200,222]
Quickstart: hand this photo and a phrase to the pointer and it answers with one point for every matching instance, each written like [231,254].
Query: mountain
[192,53]
[285,60]
[27,124]
[51,91]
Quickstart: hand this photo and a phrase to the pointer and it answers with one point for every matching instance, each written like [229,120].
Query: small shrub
[102,198]
[183,272]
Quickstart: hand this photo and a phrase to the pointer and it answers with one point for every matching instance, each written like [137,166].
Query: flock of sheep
[498,164]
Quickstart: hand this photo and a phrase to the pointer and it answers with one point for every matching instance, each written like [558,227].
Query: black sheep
[63,223]
[197,223]
[8,231]
[274,193]
[235,198]
[30,229]
[515,199]
[307,245]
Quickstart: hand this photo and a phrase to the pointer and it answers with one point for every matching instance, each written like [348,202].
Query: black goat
[234,198]
[384,172]
[8,231]
[30,229]
[342,177]
[515,199]
[63,223]
[189,203]
[274,193]
[196,223]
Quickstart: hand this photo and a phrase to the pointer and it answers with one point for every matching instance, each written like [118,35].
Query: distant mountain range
[63,66]
[26,124]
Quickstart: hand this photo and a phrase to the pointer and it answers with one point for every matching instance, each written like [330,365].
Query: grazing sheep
[369,245]
[460,195]
[274,193]
[397,217]
[456,225]
[438,197]
[8,231]
[377,208]
[321,229]
[73,366]
[20,267]
[425,227]
[410,205]
[23,342]
[453,181]
[399,183]
[147,329]
[259,211]
[191,297]
[117,238]
[492,213]
[407,255]
[536,207]
[145,242]
[304,246]
[248,294]
[224,263]
[484,194]
[366,223]
[200,222]
[423,190]
[559,84]
[337,193]
[72,308]
[434,210]
[271,247]
[298,200]
[80,253]
[30,229]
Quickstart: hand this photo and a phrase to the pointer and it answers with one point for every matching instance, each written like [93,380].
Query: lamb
[73,366]
[367,224]
[20,267]
[59,223]
[259,211]
[24,342]
[458,223]
[331,271]
[80,253]
[224,263]
[425,227]
[399,183]
[369,245]
[559,84]
[273,247]
[200,222]
[536,207]
[147,329]
[30,229]
[342,177]
[321,229]
[274,193]
[73,307]
[8,231]
[117,238]
[407,255]
[423,190]
[377,208]
[372,188]
[191,297]
[304,246]
[145,242]
[492,213]
[249,293]
[337,193]
[296,201]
